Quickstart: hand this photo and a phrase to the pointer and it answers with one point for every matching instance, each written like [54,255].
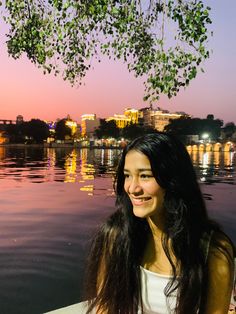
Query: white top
[78,308]
[153,296]
[154,299]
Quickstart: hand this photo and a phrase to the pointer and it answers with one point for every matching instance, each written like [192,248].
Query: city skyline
[109,87]
[69,117]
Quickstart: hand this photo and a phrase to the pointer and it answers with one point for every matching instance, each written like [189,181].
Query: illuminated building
[73,126]
[158,118]
[122,120]
[162,118]
[133,114]
[89,123]
[146,116]
[4,139]
[52,126]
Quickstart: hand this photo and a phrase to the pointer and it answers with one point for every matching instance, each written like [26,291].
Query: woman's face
[142,188]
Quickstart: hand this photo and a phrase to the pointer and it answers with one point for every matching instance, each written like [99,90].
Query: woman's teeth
[139,201]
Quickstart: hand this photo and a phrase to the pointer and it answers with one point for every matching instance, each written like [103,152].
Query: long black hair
[117,251]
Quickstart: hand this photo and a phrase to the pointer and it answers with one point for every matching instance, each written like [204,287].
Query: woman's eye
[126,175]
[145,176]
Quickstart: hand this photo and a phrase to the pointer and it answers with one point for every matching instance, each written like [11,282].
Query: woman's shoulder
[220,270]
[215,241]
[221,254]
[220,243]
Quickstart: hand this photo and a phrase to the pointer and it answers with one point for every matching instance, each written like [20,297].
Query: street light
[206,137]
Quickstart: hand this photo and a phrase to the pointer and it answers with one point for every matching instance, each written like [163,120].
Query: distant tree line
[184,127]
[37,131]
[229,129]
[33,131]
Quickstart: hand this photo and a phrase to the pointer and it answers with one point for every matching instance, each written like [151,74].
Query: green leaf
[73,32]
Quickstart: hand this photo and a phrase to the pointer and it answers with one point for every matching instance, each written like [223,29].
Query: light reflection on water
[58,165]
[73,165]
[45,227]
[213,167]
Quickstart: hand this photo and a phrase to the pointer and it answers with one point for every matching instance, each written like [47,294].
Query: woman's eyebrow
[140,169]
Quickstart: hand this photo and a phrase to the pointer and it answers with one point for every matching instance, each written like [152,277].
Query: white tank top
[153,296]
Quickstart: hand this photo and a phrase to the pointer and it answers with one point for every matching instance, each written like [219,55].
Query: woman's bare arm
[220,272]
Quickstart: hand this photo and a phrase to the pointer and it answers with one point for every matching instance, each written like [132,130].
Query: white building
[89,123]
[158,118]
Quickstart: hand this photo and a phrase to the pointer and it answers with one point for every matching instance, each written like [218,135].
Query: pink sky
[110,88]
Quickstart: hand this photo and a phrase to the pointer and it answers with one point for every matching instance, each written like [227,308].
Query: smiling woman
[159,252]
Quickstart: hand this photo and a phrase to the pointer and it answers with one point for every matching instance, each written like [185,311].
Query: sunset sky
[110,88]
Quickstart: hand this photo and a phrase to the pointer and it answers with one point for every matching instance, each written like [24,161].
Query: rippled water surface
[52,200]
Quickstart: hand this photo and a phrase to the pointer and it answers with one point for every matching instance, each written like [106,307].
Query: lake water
[52,200]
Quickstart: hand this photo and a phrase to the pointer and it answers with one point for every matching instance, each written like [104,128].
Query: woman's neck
[155,258]
[157,229]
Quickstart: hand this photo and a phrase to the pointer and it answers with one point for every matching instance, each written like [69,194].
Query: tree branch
[163,25]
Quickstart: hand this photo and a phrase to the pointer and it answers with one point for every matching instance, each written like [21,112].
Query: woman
[159,252]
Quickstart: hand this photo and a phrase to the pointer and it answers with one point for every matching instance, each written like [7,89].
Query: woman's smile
[140,201]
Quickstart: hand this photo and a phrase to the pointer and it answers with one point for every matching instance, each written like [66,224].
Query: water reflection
[2,152]
[70,167]
[83,166]
[214,166]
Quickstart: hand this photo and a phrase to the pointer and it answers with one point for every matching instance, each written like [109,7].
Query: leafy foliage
[62,130]
[33,131]
[37,130]
[163,40]
[195,126]
[229,129]
[16,133]
[107,129]
[133,131]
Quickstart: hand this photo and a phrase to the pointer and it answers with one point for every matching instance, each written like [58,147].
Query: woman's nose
[134,187]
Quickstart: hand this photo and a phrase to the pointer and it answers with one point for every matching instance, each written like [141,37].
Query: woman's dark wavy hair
[113,279]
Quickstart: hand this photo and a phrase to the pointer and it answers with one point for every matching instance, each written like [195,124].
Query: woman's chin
[140,212]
